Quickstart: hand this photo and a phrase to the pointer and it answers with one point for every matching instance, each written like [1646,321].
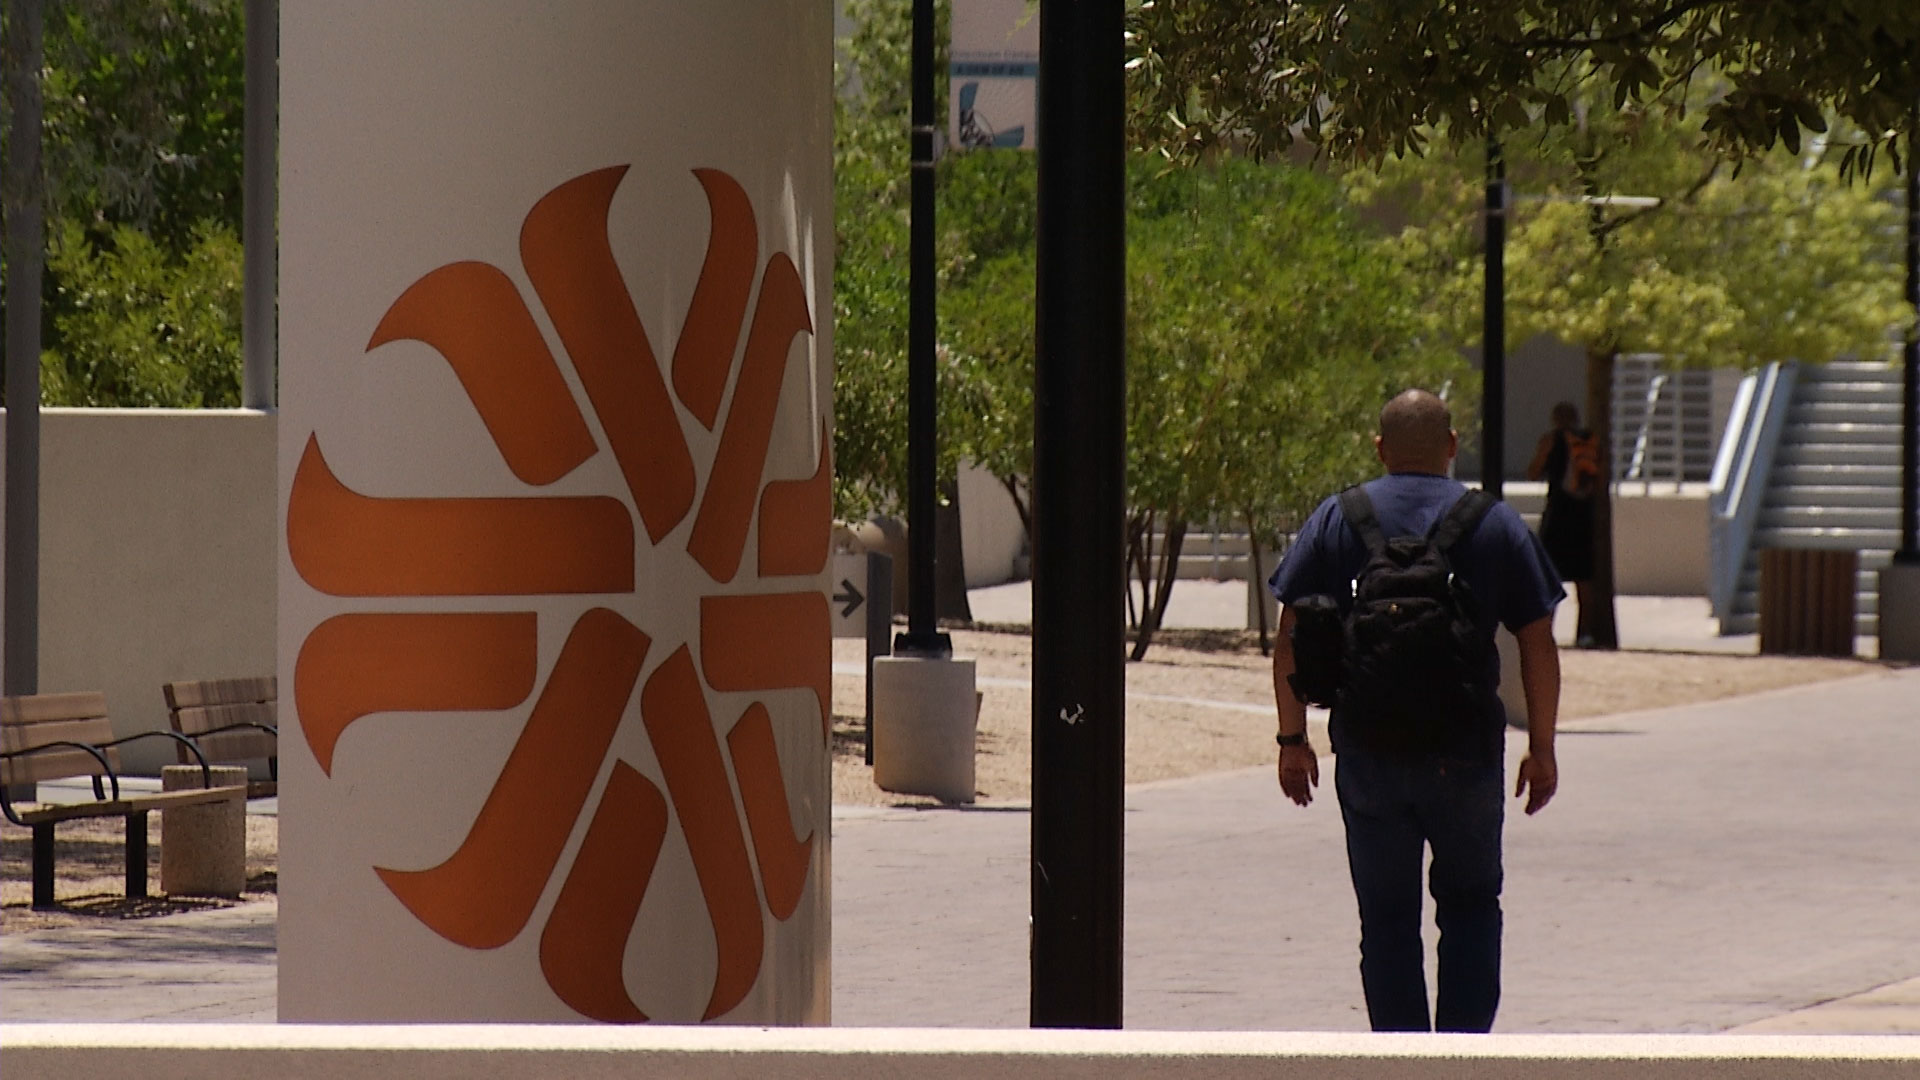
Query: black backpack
[1402,659]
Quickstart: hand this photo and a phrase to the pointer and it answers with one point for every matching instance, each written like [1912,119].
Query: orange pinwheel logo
[351,544]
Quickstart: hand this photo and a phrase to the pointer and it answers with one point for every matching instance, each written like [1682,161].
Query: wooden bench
[58,736]
[231,721]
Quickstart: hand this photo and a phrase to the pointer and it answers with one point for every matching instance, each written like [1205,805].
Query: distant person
[1392,591]
[1568,458]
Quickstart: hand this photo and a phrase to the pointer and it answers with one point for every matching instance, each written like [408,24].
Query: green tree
[142,132]
[1368,79]
[140,327]
[1264,328]
[143,115]
[1782,261]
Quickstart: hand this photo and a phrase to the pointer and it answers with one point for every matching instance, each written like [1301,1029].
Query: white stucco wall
[991,535]
[1660,542]
[156,556]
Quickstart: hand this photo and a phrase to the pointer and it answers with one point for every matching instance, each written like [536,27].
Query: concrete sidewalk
[1742,862]
[1704,867]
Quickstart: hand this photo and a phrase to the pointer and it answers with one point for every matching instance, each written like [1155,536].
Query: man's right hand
[1299,773]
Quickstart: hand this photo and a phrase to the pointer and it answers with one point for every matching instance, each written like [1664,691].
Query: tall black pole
[20,194]
[260,173]
[1079,502]
[1910,392]
[922,636]
[1493,333]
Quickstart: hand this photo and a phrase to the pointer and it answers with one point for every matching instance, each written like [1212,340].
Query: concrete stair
[1835,483]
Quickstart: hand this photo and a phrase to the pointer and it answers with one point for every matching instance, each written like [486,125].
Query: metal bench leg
[43,865]
[137,855]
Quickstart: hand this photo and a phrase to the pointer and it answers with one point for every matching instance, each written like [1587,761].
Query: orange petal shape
[675,710]
[734,636]
[354,665]
[585,942]
[704,354]
[349,544]
[482,896]
[565,249]
[782,856]
[720,531]
[472,314]
[796,520]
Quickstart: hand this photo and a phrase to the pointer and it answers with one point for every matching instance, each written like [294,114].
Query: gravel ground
[1201,702]
[1217,675]
[91,874]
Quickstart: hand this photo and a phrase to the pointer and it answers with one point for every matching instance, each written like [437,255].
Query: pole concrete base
[203,849]
[924,718]
[1900,612]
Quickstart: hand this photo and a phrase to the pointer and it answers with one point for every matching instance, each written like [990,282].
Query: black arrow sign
[852,598]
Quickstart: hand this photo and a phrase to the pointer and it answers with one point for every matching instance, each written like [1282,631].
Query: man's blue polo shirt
[1512,578]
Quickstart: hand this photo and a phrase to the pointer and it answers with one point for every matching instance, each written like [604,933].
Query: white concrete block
[925,715]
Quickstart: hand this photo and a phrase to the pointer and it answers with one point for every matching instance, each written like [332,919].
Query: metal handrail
[1637,465]
[1740,475]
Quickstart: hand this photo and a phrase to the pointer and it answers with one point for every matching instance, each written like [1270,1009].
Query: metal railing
[1662,423]
[1740,473]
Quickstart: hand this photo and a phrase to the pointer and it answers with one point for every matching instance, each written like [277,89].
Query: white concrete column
[555,386]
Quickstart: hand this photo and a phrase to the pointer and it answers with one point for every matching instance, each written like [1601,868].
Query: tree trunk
[1163,588]
[1597,624]
[1258,584]
[1139,536]
[1012,484]
[949,558]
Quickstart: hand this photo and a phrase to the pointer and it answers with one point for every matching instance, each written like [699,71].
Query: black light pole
[1079,494]
[922,637]
[1493,333]
[1910,392]
[25,246]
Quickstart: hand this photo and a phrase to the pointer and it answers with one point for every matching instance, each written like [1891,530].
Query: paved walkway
[1744,862]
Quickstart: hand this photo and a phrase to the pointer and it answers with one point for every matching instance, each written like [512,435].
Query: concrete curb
[161,1052]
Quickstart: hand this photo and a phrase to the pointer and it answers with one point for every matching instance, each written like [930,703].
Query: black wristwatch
[1291,740]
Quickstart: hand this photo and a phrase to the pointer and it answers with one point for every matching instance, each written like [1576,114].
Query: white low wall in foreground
[500,1052]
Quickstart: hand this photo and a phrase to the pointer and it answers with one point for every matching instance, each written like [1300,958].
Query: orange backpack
[1582,476]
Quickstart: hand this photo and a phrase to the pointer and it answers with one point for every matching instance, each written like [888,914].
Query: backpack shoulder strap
[1459,522]
[1357,508]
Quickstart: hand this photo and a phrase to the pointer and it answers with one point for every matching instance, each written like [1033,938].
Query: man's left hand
[1539,778]
[1299,773]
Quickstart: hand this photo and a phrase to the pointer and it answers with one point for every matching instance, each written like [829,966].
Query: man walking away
[1391,595]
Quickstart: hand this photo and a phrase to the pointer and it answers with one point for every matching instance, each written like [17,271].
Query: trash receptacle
[203,848]
[1807,601]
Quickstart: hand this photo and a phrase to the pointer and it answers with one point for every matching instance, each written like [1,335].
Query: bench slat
[50,765]
[243,745]
[131,804]
[196,721]
[25,736]
[184,695]
[35,708]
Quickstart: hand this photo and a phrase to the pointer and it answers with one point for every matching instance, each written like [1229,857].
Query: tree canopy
[142,137]
[1367,79]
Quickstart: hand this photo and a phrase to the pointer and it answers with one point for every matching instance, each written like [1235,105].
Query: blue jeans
[1393,808]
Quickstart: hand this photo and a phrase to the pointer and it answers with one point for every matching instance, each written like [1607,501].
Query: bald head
[1416,433]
